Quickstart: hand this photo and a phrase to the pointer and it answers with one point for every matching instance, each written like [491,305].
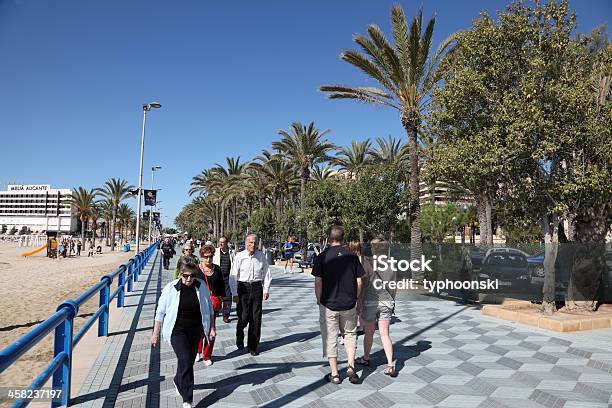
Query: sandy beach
[31,289]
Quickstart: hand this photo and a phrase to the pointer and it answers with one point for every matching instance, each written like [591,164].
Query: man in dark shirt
[167,250]
[338,273]
[224,258]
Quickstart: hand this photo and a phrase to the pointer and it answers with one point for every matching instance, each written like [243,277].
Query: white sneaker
[207,363]
[186,405]
[176,389]
[199,357]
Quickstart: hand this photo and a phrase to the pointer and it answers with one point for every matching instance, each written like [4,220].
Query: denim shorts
[377,310]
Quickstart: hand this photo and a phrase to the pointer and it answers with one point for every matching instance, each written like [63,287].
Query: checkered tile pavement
[447,356]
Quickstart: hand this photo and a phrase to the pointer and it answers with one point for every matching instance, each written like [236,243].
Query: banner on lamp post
[150,197]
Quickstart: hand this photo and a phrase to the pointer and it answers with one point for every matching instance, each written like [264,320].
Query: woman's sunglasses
[188,275]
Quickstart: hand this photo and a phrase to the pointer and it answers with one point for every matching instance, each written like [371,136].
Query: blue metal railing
[63,324]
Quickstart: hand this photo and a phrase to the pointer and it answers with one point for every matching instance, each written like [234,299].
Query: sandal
[352,375]
[390,371]
[363,361]
[334,379]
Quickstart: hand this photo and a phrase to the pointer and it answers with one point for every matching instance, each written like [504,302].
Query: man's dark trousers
[167,260]
[250,296]
[185,344]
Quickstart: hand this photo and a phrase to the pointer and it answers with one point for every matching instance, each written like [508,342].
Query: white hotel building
[38,207]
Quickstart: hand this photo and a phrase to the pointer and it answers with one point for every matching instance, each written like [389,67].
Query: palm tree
[95,215]
[124,215]
[106,211]
[389,151]
[115,190]
[322,173]
[305,147]
[280,175]
[83,201]
[355,157]
[407,73]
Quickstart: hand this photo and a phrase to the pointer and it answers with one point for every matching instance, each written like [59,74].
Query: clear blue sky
[74,75]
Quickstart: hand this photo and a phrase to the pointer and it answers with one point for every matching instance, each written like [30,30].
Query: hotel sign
[29,187]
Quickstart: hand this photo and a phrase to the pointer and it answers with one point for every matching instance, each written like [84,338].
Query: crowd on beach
[206,285]
[67,247]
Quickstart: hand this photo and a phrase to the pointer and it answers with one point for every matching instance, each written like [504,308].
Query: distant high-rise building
[37,207]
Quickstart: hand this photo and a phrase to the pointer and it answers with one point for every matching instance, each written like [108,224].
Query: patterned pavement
[447,356]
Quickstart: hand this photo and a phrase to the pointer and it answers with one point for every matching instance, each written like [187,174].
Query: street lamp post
[145,108]
[153,169]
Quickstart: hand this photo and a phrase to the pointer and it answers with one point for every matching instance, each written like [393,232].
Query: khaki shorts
[372,311]
[331,321]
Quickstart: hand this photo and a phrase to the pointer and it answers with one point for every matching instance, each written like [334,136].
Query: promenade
[447,356]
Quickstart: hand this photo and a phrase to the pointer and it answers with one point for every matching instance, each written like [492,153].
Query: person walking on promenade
[79,245]
[211,274]
[288,251]
[338,273]
[250,280]
[377,305]
[167,251]
[187,251]
[224,258]
[184,314]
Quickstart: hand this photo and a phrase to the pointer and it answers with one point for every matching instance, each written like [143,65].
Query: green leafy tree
[262,223]
[440,221]
[323,206]
[406,73]
[371,204]
[517,111]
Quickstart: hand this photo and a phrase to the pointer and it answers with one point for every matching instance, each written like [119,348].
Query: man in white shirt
[250,280]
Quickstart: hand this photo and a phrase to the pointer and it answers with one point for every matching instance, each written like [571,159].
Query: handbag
[217,301]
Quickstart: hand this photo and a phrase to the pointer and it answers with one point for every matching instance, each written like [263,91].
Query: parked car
[312,251]
[536,268]
[476,257]
[509,266]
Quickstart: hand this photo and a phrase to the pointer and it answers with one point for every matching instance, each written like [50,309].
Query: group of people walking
[205,287]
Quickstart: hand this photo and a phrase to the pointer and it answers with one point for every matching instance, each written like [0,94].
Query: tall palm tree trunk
[481,209]
[114,227]
[83,222]
[416,246]
[303,231]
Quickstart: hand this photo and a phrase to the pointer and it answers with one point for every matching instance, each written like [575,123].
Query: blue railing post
[63,344]
[137,271]
[104,302]
[130,276]
[121,284]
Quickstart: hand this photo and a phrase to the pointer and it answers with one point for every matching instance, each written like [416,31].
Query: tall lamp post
[145,108]
[153,169]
